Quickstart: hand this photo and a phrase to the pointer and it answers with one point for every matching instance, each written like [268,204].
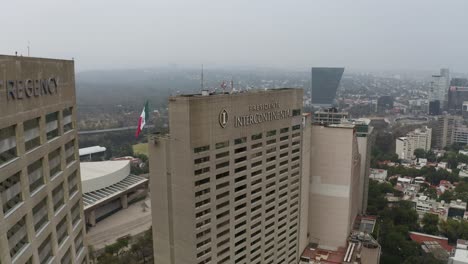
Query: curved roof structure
[101,174]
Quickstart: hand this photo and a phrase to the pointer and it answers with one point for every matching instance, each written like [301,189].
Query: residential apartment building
[226,181]
[41,213]
[417,139]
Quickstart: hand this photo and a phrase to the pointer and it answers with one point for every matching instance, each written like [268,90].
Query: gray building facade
[41,213]
[226,181]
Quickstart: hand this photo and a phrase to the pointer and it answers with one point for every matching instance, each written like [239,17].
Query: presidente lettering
[263,107]
[20,89]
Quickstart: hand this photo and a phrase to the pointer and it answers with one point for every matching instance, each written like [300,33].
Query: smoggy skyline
[362,34]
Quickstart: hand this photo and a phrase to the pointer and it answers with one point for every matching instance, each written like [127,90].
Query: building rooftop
[91,150]
[206,93]
[420,238]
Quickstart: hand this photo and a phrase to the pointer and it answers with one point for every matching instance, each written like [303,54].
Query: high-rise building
[434,108]
[417,139]
[439,87]
[325,82]
[225,183]
[334,192]
[384,103]
[457,94]
[41,213]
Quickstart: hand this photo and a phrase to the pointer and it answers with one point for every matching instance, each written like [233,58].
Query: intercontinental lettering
[258,118]
[20,89]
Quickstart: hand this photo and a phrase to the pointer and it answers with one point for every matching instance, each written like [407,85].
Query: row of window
[11,188]
[18,239]
[254,137]
[31,133]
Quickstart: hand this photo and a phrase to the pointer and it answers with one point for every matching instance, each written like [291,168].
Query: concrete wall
[334,185]
[305,179]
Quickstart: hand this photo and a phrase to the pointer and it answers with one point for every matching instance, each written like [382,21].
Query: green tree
[420,153]
[430,224]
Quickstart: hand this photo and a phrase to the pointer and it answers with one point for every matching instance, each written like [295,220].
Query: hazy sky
[359,34]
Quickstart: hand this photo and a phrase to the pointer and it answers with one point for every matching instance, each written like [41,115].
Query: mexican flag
[143,119]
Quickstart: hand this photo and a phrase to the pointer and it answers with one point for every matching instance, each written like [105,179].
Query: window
[17,237]
[222,154]
[32,136]
[55,165]
[201,149]
[241,159]
[52,130]
[58,197]
[296,112]
[40,215]
[239,150]
[271,133]
[257,136]
[62,230]
[284,130]
[222,145]
[10,192]
[70,152]
[66,259]
[79,243]
[8,144]
[254,146]
[72,183]
[35,175]
[222,165]
[202,160]
[202,170]
[240,140]
[67,119]
[296,127]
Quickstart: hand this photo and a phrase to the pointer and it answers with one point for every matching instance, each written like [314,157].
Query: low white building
[417,139]
[378,174]
[461,253]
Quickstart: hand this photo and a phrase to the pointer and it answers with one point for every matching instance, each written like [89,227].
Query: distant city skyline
[360,34]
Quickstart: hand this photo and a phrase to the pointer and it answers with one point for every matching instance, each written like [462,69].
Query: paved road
[84,132]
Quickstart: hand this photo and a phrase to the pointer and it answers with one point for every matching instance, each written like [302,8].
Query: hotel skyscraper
[41,213]
[225,183]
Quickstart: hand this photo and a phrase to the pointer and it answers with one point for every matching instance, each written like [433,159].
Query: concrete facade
[41,212]
[334,195]
[226,182]
[417,139]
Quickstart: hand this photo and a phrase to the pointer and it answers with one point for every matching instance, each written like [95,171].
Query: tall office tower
[439,87]
[329,116]
[434,108]
[334,175]
[417,139]
[325,82]
[41,213]
[225,183]
[457,94]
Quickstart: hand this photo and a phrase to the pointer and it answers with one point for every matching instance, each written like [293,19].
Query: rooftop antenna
[201,84]
[28,48]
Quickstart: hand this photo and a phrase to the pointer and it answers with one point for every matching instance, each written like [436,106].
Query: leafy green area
[125,252]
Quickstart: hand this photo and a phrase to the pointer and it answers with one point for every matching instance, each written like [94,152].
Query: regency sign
[260,113]
[20,89]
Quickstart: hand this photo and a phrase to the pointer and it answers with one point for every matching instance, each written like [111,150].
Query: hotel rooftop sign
[23,89]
